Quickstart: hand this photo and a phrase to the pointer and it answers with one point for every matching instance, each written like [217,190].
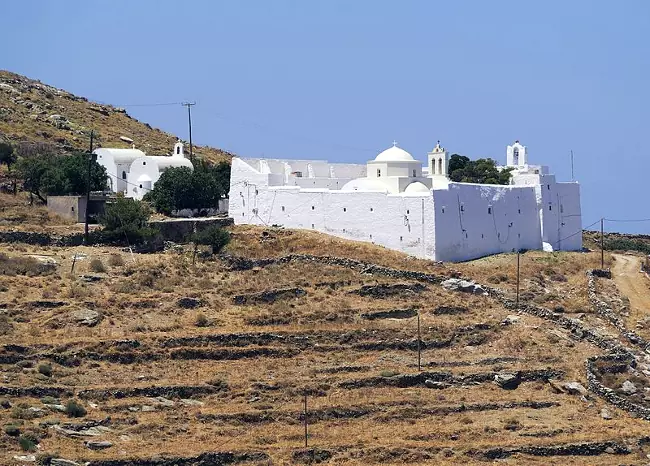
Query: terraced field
[151,359]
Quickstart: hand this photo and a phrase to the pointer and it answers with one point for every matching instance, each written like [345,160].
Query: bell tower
[516,155]
[178,149]
[438,161]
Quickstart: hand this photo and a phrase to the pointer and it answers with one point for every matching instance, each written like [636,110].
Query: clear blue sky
[340,80]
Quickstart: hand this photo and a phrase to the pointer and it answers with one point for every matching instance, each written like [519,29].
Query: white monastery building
[396,202]
[133,173]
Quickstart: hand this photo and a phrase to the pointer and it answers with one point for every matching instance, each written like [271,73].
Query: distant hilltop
[31,111]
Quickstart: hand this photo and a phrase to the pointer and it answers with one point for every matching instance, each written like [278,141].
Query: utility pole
[305,418]
[90,163]
[419,345]
[572,177]
[518,254]
[189,120]
[602,243]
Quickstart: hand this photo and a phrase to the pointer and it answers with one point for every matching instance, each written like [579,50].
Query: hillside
[209,363]
[35,112]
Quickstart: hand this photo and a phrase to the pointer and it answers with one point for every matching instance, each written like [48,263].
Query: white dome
[144,178]
[417,187]
[394,154]
[364,184]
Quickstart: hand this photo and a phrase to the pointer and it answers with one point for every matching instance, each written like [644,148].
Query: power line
[628,220]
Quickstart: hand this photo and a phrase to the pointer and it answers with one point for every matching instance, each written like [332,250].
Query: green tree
[482,171]
[126,220]
[7,155]
[46,174]
[213,236]
[184,188]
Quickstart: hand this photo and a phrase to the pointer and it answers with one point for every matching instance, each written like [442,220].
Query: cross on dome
[394,143]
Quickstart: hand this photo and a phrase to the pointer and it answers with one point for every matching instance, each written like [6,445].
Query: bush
[74,409]
[27,443]
[96,265]
[45,369]
[115,260]
[12,430]
[202,321]
[125,221]
[28,266]
[213,236]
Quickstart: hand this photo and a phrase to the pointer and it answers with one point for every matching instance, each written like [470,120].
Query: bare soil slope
[209,363]
[31,111]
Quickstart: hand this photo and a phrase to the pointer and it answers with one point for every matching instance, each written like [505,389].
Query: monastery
[395,202]
[134,173]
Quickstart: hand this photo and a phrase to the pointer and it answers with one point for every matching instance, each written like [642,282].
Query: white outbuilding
[118,165]
[145,171]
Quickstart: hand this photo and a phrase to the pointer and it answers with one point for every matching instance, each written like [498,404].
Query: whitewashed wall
[477,220]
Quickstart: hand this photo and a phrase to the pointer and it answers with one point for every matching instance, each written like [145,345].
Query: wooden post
[305,418]
[419,346]
[518,254]
[74,260]
[602,243]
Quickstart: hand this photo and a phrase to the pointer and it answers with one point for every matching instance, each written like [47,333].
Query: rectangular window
[313,207]
[443,209]
[548,187]
[378,173]
[561,208]
[282,208]
[462,208]
[490,210]
[414,173]
[550,207]
[344,209]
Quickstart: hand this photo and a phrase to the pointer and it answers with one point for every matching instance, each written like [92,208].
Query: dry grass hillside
[31,111]
[150,359]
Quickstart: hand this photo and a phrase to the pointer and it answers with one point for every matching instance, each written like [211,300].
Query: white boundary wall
[461,222]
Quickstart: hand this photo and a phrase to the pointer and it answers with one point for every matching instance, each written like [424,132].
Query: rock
[94,431]
[610,451]
[466,286]
[507,381]
[101,445]
[436,385]
[628,388]
[575,388]
[86,317]
[605,414]
[90,278]
[162,401]
[56,407]
[190,402]
[62,462]
[556,387]
[189,303]
[146,409]
[511,319]
[26,458]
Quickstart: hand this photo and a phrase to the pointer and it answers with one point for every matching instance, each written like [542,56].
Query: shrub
[74,409]
[202,321]
[115,260]
[23,266]
[27,443]
[125,221]
[96,265]
[213,236]
[45,369]
[12,430]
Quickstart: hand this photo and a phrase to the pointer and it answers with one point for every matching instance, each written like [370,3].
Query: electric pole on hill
[189,120]
[90,163]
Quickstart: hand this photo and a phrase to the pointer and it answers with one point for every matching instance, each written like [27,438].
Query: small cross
[394,142]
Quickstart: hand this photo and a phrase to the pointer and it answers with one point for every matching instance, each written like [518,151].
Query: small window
[561,208]
[370,236]
[312,225]
[313,207]
[498,235]
[282,208]
[371,209]
[178,149]
[401,238]
[550,207]
[256,192]
[489,210]
[482,236]
[443,210]
[466,235]
[140,185]
[343,230]
[548,186]
[519,211]
[518,235]
[462,207]
[414,173]
[144,163]
[72,208]
[378,173]
[242,214]
[124,175]
[408,211]
[344,209]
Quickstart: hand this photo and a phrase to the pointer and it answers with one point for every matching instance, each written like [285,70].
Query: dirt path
[632,284]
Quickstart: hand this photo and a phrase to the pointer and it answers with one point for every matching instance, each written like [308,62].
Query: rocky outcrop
[390,290]
[268,296]
[392,314]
